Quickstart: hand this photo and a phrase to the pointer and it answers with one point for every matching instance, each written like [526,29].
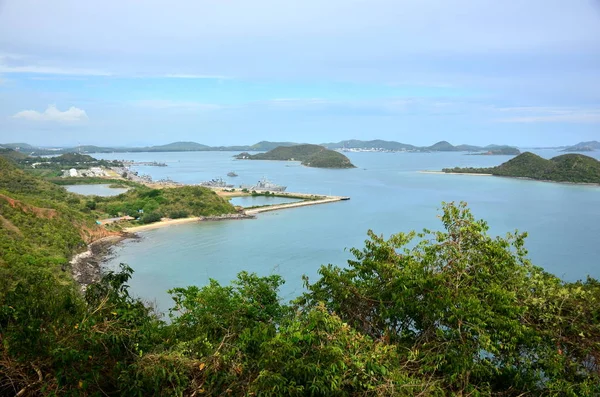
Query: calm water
[249,201]
[388,195]
[95,190]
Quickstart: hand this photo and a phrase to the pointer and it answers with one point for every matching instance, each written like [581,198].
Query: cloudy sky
[219,72]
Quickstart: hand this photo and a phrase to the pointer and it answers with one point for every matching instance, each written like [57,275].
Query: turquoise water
[388,195]
[250,201]
[94,190]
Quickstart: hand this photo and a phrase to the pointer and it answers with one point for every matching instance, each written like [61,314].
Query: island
[589,146]
[309,155]
[573,168]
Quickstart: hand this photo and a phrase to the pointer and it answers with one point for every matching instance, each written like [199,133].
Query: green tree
[468,309]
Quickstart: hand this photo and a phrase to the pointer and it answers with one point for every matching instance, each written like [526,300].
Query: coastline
[514,177]
[86,266]
[454,173]
[172,222]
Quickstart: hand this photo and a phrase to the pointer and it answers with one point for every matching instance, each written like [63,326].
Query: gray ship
[217,182]
[265,185]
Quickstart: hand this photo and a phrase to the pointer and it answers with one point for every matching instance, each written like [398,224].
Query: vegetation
[168,202]
[456,313]
[310,156]
[575,168]
[452,312]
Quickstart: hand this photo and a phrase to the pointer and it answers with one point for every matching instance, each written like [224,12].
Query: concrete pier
[321,200]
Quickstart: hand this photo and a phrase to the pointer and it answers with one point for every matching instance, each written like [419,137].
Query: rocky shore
[86,266]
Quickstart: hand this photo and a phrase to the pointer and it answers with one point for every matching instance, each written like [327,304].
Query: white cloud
[168,104]
[71,115]
[549,115]
[196,76]
[18,63]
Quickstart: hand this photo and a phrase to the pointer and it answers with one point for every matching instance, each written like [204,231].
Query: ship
[265,185]
[217,182]
[232,174]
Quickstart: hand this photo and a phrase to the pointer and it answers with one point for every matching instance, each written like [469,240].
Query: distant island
[574,168]
[309,155]
[583,147]
[354,145]
[442,146]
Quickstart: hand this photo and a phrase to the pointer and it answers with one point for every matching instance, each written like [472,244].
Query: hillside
[589,146]
[371,326]
[309,155]
[575,168]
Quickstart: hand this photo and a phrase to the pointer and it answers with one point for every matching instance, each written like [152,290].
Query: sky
[225,72]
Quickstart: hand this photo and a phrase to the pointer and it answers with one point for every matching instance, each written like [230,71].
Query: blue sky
[127,72]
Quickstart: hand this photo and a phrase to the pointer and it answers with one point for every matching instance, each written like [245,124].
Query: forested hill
[575,168]
[458,312]
[310,156]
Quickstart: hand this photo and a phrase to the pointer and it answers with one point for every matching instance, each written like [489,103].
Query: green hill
[574,168]
[309,155]
[450,312]
[12,154]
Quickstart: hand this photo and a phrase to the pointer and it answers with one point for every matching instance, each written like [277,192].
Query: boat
[217,182]
[265,185]
[232,174]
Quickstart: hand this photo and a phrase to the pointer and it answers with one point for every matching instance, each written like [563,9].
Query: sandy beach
[172,222]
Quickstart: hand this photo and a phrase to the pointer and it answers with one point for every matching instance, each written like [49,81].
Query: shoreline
[454,173]
[524,178]
[172,222]
[86,266]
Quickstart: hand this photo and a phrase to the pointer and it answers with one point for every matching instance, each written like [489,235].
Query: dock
[323,200]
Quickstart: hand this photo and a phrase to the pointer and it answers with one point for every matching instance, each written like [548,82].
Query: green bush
[150,217]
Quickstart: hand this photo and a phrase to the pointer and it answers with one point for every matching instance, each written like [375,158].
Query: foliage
[191,200]
[574,168]
[309,155]
[469,310]
[457,312]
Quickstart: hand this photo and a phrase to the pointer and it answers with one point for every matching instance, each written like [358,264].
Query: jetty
[308,201]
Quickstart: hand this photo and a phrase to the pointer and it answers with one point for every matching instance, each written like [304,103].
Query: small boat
[232,174]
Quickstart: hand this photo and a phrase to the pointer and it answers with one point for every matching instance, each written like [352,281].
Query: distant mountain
[589,146]
[309,155]
[18,146]
[442,146]
[263,146]
[176,147]
[266,145]
[374,144]
[575,168]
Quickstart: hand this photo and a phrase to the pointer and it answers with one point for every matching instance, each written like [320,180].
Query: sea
[388,193]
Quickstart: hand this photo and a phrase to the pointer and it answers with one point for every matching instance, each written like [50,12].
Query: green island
[455,312]
[309,155]
[574,168]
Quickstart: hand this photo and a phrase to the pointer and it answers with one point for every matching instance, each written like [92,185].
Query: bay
[388,195]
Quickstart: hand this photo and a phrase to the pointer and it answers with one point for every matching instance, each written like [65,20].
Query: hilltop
[575,168]
[589,146]
[309,155]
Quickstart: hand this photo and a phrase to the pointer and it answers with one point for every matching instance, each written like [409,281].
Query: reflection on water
[95,190]
[255,201]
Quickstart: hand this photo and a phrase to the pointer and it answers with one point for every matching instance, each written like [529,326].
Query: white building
[72,172]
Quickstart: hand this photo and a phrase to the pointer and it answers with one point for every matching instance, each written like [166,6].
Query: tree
[469,309]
